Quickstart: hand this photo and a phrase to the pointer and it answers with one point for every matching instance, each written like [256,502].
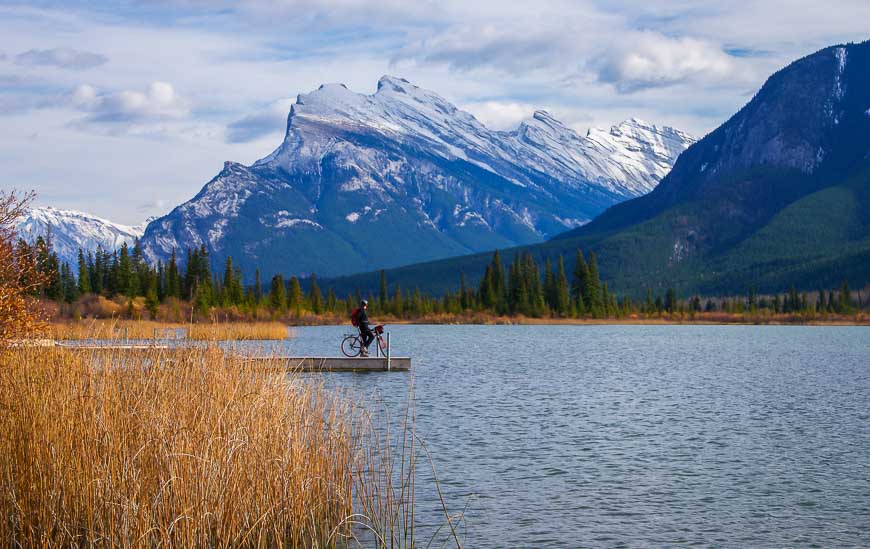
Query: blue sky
[125,109]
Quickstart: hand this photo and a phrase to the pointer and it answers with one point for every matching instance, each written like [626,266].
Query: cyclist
[364,330]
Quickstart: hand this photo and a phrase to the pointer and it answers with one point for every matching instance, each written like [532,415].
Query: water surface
[585,436]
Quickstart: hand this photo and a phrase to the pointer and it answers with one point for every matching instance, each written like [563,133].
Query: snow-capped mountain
[402,175]
[71,230]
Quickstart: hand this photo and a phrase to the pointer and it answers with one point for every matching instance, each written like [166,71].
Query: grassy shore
[113,449]
[275,330]
[718,318]
[147,329]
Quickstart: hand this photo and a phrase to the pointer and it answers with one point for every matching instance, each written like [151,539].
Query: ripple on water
[611,436]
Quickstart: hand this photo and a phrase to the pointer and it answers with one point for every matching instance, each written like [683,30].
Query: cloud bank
[64,58]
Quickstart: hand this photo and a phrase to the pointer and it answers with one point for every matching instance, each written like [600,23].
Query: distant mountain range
[369,181]
[70,231]
[778,195]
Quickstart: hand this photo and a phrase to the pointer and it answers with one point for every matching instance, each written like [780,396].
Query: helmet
[364,303]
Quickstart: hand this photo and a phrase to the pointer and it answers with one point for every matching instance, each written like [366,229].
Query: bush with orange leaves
[20,277]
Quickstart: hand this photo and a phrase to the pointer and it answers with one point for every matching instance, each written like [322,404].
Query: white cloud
[500,115]
[158,102]
[650,60]
[65,58]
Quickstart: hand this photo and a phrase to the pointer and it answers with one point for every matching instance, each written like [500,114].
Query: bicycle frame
[380,343]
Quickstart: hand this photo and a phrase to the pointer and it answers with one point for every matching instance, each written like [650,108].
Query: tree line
[521,287]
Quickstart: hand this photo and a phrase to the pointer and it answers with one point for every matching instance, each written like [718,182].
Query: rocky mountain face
[807,126]
[70,231]
[369,181]
[777,195]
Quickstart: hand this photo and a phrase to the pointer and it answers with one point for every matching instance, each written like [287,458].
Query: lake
[602,436]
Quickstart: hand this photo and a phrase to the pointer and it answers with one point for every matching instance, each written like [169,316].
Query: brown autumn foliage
[19,275]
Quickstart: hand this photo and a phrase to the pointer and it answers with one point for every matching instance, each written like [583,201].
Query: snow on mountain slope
[71,230]
[406,163]
[627,159]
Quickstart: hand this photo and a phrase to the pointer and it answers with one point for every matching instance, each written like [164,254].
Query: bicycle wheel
[351,346]
[382,343]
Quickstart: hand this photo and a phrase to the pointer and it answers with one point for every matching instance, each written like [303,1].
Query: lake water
[603,436]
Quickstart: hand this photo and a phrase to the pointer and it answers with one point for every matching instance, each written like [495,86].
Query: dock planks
[336,364]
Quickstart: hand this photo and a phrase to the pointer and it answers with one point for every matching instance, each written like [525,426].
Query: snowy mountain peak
[70,230]
[407,161]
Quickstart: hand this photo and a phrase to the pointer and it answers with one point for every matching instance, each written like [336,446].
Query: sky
[126,109]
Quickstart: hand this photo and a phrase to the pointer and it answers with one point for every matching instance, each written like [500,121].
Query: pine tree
[294,297]
[277,294]
[563,299]
[68,283]
[549,286]
[314,296]
[592,297]
[228,283]
[152,301]
[398,304]
[84,282]
[578,282]
[331,301]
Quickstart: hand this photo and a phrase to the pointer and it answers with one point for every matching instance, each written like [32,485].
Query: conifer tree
[592,297]
[294,297]
[314,296]
[277,294]
[84,282]
[152,301]
[172,284]
[578,282]
[398,304]
[563,299]
[549,285]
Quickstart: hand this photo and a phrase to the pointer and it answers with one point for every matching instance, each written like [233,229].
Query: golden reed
[190,448]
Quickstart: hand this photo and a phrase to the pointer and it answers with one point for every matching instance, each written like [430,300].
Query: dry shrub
[20,315]
[238,331]
[97,306]
[207,452]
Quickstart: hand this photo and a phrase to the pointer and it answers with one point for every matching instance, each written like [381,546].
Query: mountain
[400,176]
[71,230]
[777,195]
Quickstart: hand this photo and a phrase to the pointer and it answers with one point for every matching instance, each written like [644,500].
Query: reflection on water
[561,436]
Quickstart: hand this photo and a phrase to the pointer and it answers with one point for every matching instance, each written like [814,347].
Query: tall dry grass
[189,448]
[114,329]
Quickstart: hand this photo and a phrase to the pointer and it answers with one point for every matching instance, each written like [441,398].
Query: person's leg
[368,336]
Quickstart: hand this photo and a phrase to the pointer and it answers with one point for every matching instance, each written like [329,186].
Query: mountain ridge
[72,229]
[724,219]
[405,162]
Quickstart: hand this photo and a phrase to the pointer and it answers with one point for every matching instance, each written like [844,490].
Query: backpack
[354,317]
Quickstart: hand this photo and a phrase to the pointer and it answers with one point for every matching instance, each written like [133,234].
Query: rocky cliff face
[369,181]
[807,126]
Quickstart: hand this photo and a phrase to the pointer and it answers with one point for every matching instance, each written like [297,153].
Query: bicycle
[351,345]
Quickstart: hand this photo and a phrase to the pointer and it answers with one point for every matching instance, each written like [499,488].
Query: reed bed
[115,329]
[189,448]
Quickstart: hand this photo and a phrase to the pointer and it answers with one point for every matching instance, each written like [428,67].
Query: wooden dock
[289,363]
[336,364]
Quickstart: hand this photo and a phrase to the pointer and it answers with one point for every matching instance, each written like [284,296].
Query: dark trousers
[367,336]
